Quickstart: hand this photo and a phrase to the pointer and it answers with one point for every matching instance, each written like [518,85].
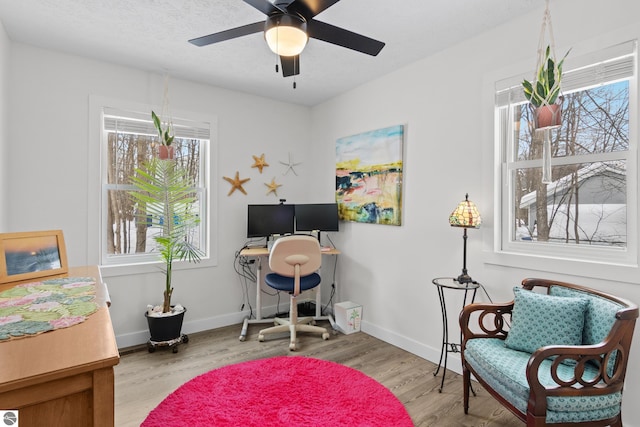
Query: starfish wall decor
[259,162]
[290,165]
[236,183]
[273,187]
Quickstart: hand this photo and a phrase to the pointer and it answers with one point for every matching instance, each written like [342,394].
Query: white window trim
[548,260]
[95,211]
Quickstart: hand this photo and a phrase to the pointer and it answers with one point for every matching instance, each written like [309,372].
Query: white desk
[260,254]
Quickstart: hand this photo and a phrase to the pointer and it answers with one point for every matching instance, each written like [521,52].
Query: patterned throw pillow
[539,320]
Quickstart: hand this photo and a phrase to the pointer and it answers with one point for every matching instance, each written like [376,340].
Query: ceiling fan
[288,27]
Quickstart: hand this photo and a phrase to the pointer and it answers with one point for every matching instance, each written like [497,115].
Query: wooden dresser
[63,377]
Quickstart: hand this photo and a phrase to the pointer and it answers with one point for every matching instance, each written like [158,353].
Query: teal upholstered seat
[505,371]
[541,354]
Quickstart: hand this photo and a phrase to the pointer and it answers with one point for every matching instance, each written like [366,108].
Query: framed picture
[369,176]
[30,255]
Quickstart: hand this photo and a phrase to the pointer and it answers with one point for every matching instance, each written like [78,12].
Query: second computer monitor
[317,217]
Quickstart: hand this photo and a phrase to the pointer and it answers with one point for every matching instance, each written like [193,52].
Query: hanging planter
[547,116]
[165,150]
[544,93]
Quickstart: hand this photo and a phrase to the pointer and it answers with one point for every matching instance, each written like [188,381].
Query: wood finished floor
[143,379]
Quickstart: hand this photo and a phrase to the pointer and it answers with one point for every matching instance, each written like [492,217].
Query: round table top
[452,283]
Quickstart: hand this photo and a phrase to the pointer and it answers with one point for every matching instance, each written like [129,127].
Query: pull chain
[294,70]
[277,45]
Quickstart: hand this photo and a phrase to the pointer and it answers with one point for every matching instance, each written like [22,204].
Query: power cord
[485,291]
[243,268]
[333,287]
[491,300]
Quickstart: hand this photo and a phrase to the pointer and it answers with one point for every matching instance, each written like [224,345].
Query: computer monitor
[317,217]
[266,220]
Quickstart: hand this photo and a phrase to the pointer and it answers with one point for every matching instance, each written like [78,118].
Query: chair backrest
[606,315]
[289,251]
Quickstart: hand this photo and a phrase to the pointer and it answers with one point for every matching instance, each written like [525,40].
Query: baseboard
[429,353]
[137,338]
[188,327]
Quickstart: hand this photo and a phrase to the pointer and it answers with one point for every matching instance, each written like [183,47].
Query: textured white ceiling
[152,35]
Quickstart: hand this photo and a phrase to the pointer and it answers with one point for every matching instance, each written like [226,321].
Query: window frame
[550,256]
[144,263]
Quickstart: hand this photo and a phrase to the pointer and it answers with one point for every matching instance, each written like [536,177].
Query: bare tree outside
[128,232]
[586,201]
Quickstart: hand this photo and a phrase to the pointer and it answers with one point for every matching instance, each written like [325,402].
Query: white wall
[56,187]
[4,122]
[446,102]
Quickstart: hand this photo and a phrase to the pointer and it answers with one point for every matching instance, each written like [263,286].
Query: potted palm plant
[165,150]
[165,198]
[544,93]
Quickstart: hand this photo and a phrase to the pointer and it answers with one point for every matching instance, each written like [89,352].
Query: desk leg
[258,290]
[258,319]
[103,397]
[319,315]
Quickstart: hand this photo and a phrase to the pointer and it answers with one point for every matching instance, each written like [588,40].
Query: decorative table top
[32,308]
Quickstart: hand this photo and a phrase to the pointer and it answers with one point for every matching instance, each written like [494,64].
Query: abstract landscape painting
[369,176]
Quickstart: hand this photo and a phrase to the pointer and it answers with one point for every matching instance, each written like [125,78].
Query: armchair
[556,357]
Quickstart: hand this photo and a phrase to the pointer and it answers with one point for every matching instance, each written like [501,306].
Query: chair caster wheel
[292,347]
[175,349]
[242,338]
[325,336]
[261,338]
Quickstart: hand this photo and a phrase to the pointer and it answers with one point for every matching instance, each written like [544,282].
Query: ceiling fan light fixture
[286,35]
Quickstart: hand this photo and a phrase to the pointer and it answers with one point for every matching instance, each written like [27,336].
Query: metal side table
[469,289]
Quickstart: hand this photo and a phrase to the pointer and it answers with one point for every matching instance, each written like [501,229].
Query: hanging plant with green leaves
[166,137]
[546,87]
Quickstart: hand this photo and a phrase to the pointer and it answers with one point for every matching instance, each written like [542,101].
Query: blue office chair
[294,261]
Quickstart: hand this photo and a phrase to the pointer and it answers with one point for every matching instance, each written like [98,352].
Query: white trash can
[348,316]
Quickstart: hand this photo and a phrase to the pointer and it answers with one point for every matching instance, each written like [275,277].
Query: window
[587,210]
[129,139]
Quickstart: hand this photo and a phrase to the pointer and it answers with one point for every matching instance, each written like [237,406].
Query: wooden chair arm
[605,382]
[491,320]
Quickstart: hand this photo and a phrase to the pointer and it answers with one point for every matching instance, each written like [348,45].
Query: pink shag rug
[281,391]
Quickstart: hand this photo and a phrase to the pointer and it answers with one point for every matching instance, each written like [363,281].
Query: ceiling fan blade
[233,33]
[265,6]
[345,38]
[290,65]
[310,8]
